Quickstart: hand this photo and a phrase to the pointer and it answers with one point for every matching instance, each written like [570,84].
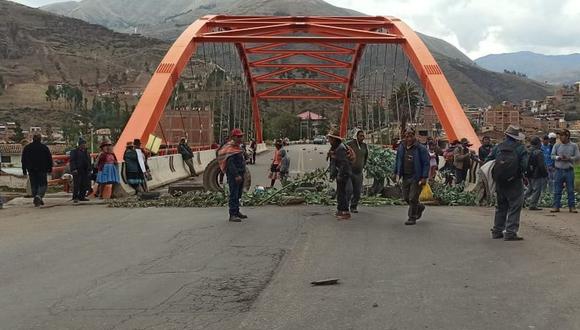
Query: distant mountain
[555,69]
[38,48]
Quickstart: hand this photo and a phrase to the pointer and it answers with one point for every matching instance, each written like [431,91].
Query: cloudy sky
[479,27]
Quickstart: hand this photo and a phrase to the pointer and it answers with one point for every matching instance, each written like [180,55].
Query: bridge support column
[344,117]
[257,119]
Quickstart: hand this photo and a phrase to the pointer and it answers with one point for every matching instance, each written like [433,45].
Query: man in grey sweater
[565,154]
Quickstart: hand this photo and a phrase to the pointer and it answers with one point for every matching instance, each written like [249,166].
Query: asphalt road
[93,267]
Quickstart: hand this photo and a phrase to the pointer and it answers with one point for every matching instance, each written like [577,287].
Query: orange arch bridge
[279,40]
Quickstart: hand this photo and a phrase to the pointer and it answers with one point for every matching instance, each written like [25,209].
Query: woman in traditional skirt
[108,172]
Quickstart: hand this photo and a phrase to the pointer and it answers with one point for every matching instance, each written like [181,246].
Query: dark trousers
[534,192]
[254,156]
[38,183]
[460,175]
[510,199]
[236,190]
[357,185]
[343,193]
[564,177]
[81,184]
[189,163]
[411,192]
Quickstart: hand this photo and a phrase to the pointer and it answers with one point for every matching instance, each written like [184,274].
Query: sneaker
[76,201]
[235,218]
[421,210]
[496,234]
[410,222]
[84,199]
[555,210]
[242,216]
[513,238]
[36,201]
[353,210]
[573,210]
[533,208]
[41,202]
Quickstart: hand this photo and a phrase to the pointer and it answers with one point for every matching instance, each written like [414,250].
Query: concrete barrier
[261,148]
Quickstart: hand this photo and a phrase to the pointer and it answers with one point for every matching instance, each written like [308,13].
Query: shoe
[84,199]
[573,210]
[496,234]
[41,202]
[342,215]
[76,201]
[242,216]
[36,201]
[410,222]
[533,208]
[513,238]
[555,210]
[353,210]
[421,210]
[235,218]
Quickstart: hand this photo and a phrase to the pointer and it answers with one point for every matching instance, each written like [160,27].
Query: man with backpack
[511,162]
[341,170]
[537,174]
[412,166]
[362,154]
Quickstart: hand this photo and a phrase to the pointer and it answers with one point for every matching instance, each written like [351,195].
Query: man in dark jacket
[341,170]
[233,163]
[37,164]
[537,174]
[187,155]
[80,167]
[510,191]
[362,154]
[412,166]
[485,149]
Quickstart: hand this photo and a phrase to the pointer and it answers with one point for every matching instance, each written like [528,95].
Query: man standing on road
[462,160]
[80,167]
[340,169]
[511,162]
[254,148]
[485,149]
[412,167]
[565,154]
[187,155]
[37,164]
[362,154]
[537,174]
[232,162]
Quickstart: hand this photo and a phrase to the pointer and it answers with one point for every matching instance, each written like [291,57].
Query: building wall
[197,125]
[500,118]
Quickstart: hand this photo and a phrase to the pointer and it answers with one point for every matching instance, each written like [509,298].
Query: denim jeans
[564,177]
[236,190]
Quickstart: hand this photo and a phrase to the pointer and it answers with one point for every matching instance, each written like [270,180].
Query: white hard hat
[552,135]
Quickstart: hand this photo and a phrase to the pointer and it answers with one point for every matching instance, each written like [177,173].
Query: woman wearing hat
[106,167]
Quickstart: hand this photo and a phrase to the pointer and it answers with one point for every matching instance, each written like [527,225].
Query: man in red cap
[233,164]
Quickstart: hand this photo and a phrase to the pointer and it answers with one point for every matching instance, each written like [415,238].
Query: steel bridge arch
[270,33]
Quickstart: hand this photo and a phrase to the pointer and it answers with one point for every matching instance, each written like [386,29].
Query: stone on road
[95,267]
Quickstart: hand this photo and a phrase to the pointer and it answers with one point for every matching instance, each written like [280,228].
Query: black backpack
[507,163]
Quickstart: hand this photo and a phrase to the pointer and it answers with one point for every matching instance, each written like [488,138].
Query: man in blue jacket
[412,166]
[233,164]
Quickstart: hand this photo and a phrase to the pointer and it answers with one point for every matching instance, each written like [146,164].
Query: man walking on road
[547,146]
[340,169]
[80,167]
[565,154]
[187,155]
[232,162]
[37,164]
[412,167]
[511,162]
[537,174]
[362,154]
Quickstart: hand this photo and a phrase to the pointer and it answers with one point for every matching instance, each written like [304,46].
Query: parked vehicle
[319,139]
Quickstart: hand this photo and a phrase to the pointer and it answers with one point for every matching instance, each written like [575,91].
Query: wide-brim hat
[466,142]
[105,143]
[334,133]
[515,132]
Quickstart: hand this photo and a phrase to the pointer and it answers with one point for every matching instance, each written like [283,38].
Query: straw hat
[334,133]
[105,143]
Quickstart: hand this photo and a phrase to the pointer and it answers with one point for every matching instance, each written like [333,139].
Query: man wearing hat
[565,154]
[511,162]
[412,166]
[341,170]
[462,160]
[232,162]
[80,167]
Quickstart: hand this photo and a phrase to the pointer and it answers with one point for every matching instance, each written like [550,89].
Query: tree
[403,102]
[18,134]
[52,94]
[282,125]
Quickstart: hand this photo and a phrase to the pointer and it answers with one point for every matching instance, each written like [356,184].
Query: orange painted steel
[265,46]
